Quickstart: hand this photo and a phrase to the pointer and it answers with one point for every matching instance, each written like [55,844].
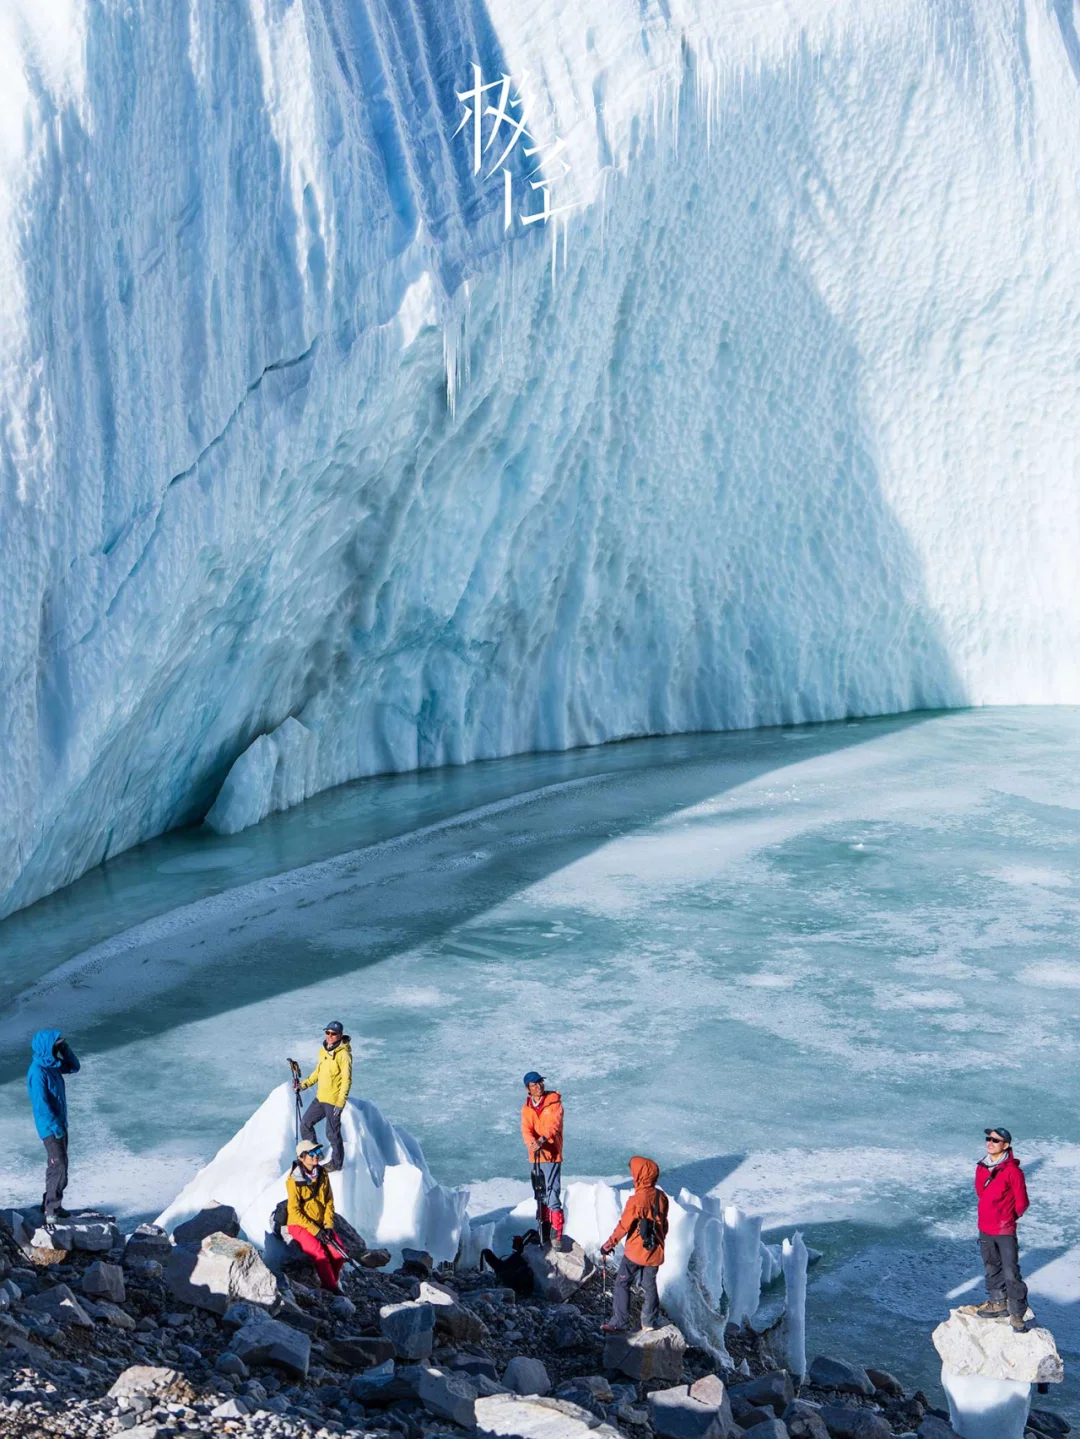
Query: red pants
[328,1263]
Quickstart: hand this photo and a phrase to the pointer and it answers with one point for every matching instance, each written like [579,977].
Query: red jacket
[541,1127]
[1003,1195]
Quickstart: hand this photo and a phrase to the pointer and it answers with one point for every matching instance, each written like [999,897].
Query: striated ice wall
[793,435]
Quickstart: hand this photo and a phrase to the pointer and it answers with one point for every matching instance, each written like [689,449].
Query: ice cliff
[792,435]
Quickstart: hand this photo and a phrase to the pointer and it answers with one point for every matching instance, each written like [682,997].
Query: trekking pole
[296,1095]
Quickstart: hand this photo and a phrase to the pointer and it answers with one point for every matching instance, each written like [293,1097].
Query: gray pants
[1001,1260]
[56,1172]
[552,1172]
[620,1299]
[315,1111]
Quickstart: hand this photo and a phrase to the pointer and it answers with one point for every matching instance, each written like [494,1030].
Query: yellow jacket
[333,1073]
[311,1202]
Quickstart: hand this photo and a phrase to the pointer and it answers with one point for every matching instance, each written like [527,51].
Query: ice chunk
[385,1189]
[275,772]
[742,1263]
[986,1408]
[794,1260]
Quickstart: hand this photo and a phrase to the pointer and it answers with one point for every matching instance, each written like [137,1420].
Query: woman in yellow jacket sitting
[311,1214]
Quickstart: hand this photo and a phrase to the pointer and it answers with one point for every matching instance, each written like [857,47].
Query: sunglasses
[994,1139]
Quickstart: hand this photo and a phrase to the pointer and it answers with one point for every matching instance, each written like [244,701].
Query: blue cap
[533,1078]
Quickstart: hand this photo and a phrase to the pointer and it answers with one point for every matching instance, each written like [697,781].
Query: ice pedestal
[986,1408]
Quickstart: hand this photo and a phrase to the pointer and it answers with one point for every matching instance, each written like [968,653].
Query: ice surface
[986,1408]
[385,1190]
[792,436]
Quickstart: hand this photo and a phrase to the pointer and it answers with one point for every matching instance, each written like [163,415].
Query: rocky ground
[102,1335]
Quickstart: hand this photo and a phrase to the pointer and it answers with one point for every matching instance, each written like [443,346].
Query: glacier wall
[793,434]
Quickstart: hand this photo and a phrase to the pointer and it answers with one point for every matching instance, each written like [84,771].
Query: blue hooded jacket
[45,1082]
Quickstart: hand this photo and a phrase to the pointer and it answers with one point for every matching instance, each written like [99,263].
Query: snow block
[558,1272]
[143,1379]
[410,1327]
[836,1374]
[507,1415]
[266,1341]
[104,1281]
[222,1271]
[648,1354]
[773,1391]
[524,1375]
[216,1219]
[679,1413]
[844,1423]
[990,1349]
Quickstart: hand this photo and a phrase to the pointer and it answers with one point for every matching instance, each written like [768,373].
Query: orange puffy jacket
[541,1124]
[646,1199]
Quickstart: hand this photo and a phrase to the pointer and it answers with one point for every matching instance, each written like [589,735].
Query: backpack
[648,1228]
[280,1217]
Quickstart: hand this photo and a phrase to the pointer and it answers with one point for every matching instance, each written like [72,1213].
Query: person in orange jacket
[542,1131]
[644,1226]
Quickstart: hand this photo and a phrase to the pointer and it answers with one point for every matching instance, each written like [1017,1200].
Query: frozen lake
[803,968]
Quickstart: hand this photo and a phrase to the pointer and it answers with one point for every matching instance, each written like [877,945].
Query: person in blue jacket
[53,1058]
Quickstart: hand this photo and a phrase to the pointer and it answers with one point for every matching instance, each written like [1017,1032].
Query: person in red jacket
[542,1131]
[1003,1198]
[644,1225]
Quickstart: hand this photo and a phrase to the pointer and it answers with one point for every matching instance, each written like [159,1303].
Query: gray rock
[1045,1421]
[844,1423]
[148,1241]
[773,1391]
[451,1317]
[231,1364]
[446,1395]
[365,1353]
[836,1374]
[747,1415]
[57,1239]
[934,1428]
[410,1327]
[218,1219]
[142,1379]
[266,1341]
[112,1314]
[220,1272]
[804,1421]
[416,1261]
[526,1376]
[648,1354]
[533,1417]
[679,1413]
[231,1409]
[379,1387]
[374,1258]
[143,1431]
[885,1383]
[770,1429]
[558,1272]
[104,1281]
[342,1307]
[94,1236]
[61,1305]
[475,1365]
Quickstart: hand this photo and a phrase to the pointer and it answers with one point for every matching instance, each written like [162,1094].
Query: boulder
[526,1376]
[143,1379]
[773,1391]
[451,1317]
[104,1281]
[112,1314]
[217,1219]
[558,1273]
[148,1241]
[537,1418]
[804,1421]
[828,1373]
[990,1349]
[446,1395]
[231,1364]
[648,1354]
[60,1304]
[1044,1421]
[93,1236]
[231,1409]
[679,1413]
[48,1247]
[380,1387]
[934,1428]
[365,1353]
[747,1415]
[588,1391]
[266,1341]
[769,1429]
[416,1261]
[221,1271]
[410,1327]
[374,1258]
[475,1365]
[845,1423]
[885,1383]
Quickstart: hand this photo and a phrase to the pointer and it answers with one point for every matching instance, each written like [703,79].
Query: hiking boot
[52,1215]
[612,1329]
[1017,1324]
[992,1309]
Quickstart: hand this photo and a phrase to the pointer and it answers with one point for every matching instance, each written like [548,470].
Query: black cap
[335,1027]
[1001,1132]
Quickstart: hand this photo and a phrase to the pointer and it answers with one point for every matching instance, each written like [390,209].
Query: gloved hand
[296,1086]
[605,1249]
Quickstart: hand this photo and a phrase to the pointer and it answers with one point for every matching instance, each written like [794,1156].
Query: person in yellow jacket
[333,1076]
[311,1214]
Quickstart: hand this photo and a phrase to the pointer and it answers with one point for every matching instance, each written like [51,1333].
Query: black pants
[620,1299]
[1001,1260]
[315,1111]
[56,1173]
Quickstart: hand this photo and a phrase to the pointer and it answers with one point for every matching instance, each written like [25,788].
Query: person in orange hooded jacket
[644,1225]
[542,1131]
